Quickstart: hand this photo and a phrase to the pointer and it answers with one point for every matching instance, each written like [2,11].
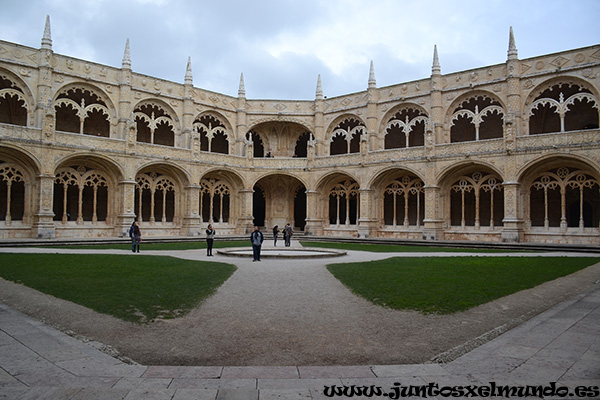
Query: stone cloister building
[507,152]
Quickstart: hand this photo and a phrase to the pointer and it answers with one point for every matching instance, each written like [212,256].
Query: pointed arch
[215,200]
[561,193]
[15,100]
[476,116]
[346,135]
[405,127]
[563,105]
[155,123]
[214,136]
[81,194]
[83,109]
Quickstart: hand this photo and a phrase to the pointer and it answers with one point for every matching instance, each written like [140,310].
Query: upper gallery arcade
[505,152]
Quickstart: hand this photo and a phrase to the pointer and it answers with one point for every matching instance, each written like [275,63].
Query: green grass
[393,248]
[159,246]
[134,288]
[445,285]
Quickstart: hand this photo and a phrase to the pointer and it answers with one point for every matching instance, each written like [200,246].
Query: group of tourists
[256,238]
[287,234]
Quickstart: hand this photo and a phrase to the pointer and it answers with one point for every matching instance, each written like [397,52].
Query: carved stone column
[512,230]
[125,207]
[432,223]
[367,224]
[246,219]
[314,222]
[43,219]
[191,219]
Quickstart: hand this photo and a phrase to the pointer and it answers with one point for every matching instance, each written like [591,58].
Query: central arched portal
[278,200]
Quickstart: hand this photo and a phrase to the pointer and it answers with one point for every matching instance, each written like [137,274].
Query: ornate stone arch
[18,180]
[279,197]
[213,127]
[400,196]
[404,125]
[340,199]
[84,108]
[476,115]
[399,107]
[160,193]
[156,122]
[345,133]
[562,104]
[472,196]
[560,192]
[281,118]
[276,138]
[85,189]
[15,91]
[219,200]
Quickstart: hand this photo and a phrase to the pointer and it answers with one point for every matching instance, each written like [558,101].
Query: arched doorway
[278,200]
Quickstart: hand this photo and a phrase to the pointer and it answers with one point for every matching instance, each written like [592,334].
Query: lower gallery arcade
[558,199]
[504,157]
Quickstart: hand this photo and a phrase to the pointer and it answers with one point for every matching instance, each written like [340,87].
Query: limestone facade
[507,152]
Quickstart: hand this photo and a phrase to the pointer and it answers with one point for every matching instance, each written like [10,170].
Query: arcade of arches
[507,157]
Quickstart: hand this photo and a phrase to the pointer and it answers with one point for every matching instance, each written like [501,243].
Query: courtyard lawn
[134,288]
[399,248]
[445,285]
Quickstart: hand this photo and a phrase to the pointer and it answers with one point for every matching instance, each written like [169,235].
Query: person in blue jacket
[131,236]
[256,238]
[136,236]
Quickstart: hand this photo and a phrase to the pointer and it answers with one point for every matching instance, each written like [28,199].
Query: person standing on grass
[210,238]
[256,238]
[287,235]
[137,238]
[275,233]
[131,229]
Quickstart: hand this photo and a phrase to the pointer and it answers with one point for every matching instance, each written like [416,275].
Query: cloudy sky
[281,46]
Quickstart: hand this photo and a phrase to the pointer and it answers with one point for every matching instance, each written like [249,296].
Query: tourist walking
[256,238]
[210,239]
[287,235]
[275,233]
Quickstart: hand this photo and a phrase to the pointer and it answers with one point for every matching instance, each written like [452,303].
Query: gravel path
[293,312]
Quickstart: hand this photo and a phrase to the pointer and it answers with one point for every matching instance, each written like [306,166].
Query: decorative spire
[126,57]
[242,88]
[47,39]
[188,72]
[372,82]
[319,93]
[436,69]
[512,47]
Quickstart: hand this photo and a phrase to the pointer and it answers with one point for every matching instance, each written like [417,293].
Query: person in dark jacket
[210,239]
[132,228]
[287,235]
[256,238]
[137,238]
[275,233]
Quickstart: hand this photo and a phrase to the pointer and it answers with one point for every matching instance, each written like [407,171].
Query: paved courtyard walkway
[562,344]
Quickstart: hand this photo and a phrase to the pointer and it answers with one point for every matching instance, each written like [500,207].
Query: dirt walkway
[294,312]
